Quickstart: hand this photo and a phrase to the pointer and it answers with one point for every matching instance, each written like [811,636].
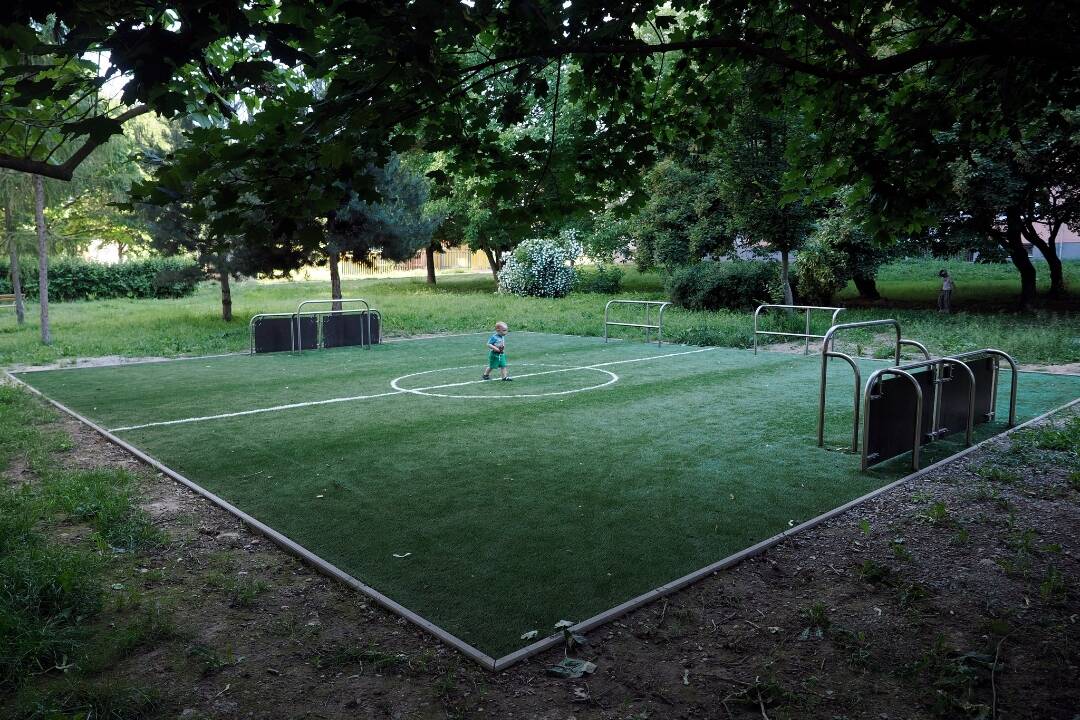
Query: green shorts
[496,360]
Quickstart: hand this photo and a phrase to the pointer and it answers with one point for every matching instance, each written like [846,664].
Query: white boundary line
[278,538]
[396,391]
[123,361]
[553,640]
[612,378]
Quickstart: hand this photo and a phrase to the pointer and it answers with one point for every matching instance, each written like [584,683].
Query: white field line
[352,398]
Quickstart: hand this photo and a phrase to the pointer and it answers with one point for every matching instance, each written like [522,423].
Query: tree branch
[66,170]
[860,54]
[888,65]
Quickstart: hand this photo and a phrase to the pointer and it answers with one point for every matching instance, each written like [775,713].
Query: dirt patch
[107,361]
[956,595]
[1065,369]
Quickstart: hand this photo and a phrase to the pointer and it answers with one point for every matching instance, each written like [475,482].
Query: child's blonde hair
[501,326]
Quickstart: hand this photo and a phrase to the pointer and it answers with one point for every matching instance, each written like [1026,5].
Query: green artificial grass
[192,326]
[493,515]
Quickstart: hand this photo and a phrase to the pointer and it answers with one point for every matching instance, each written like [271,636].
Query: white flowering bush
[542,267]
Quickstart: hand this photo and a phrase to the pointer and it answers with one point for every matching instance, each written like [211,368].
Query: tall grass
[51,592]
[467,303]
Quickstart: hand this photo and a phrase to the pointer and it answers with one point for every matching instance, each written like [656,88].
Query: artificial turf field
[493,509]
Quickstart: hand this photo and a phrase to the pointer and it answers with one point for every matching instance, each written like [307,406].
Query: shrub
[78,279]
[605,279]
[715,285]
[820,271]
[542,267]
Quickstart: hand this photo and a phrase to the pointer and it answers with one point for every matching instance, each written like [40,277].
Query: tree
[395,227]
[839,250]
[16,191]
[43,258]
[684,219]
[875,83]
[752,166]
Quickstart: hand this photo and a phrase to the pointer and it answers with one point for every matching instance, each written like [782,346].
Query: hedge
[737,284]
[77,279]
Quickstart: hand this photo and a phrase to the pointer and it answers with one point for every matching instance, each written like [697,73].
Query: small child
[944,301]
[497,353]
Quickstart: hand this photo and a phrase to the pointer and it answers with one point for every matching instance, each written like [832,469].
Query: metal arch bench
[648,305]
[806,335]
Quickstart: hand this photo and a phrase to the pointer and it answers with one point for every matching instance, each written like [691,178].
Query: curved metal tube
[970,429]
[251,329]
[806,335]
[826,353]
[917,344]
[826,342]
[874,378]
[660,325]
[1015,375]
[821,401]
[299,345]
[647,304]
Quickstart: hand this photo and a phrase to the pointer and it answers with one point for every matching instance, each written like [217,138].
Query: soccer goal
[912,405]
[316,324]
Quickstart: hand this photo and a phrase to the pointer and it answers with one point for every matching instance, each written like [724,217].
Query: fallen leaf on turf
[791,523]
[530,635]
[563,624]
[118,586]
[405,555]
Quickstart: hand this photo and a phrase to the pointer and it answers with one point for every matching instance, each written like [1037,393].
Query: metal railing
[806,335]
[827,352]
[334,309]
[937,368]
[648,305]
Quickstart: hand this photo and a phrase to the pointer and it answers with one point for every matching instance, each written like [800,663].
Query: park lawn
[467,303]
[505,508]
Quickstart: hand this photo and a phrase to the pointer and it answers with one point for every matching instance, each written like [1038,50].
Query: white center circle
[432,390]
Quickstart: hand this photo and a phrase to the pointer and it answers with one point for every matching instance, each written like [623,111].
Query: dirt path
[957,595]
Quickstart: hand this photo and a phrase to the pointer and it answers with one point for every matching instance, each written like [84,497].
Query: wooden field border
[553,640]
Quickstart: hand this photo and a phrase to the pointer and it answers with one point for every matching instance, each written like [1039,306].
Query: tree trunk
[1014,243]
[789,299]
[496,266]
[867,287]
[120,252]
[226,294]
[43,259]
[13,255]
[1048,248]
[335,280]
[429,254]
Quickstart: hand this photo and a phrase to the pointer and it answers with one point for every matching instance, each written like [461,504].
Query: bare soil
[955,595]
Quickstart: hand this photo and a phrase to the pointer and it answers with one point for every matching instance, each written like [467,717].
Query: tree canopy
[524,99]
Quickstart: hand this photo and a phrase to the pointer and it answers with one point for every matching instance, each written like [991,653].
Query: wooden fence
[458,258]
